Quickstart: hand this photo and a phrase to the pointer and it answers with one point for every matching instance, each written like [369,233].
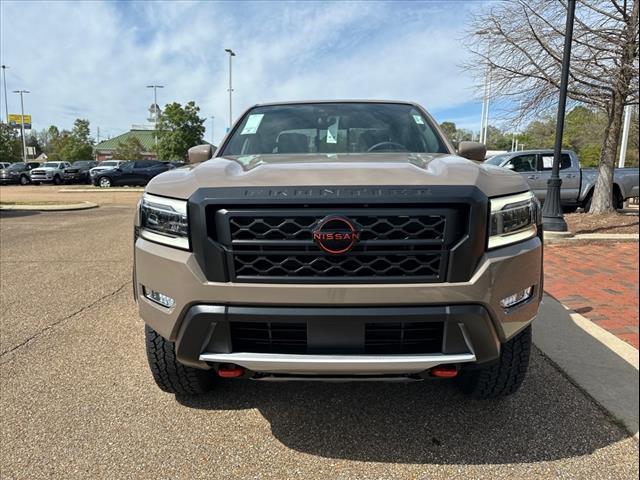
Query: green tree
[73,145]
[179,129]
[130,149]
[10,148]
[450,130]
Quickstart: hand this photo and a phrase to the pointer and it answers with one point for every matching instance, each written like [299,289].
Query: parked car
[79,171]
[138,172]
[104,166]
[577,183]
[338,241]
[49,172]
[4,165]
[17,173]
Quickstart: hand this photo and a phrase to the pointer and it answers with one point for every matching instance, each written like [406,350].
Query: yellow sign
[15,119]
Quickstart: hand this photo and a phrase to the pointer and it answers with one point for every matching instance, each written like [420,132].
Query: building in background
[145,134]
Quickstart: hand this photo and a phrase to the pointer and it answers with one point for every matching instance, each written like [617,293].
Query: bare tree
[520,43]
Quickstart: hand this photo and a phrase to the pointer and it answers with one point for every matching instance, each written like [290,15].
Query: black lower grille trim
[403,337]
[269,337]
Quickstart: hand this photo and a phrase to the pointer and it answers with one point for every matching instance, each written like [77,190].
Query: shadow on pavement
[428,422]
[17,213]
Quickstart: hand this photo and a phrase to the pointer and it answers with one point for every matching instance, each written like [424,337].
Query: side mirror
[472,151]
[200,153]
[509,166]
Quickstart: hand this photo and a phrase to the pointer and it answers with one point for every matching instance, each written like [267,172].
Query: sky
[94,59]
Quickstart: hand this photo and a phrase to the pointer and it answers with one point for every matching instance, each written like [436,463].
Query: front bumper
[500,273]
[42,178]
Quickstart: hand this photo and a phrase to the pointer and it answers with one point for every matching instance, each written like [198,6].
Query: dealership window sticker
[253,122]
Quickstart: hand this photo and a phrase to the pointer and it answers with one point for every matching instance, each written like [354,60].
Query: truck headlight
[164,220]
[513,219]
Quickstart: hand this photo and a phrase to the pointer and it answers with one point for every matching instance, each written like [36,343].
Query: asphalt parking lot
[77,400]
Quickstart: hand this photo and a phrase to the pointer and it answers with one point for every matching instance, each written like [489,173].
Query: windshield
[82,163]
[109,164]
[16,166]
[497,160]
[50,165]
[334,128]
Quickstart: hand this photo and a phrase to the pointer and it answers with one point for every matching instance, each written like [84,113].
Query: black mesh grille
[403,337]
[396,244]
[387,227]
[353,265]
[269,337]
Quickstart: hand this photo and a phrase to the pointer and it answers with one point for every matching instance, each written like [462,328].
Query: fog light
[159,298]
[516,298]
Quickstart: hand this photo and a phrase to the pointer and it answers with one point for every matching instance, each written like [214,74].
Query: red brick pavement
[599,281]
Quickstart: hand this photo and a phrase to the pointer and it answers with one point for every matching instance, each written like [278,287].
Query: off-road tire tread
[169,374]
[504,377]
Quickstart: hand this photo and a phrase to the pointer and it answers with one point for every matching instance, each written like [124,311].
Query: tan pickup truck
[338,240]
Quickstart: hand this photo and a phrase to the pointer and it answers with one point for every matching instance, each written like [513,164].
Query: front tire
[24,180]
[169,374]
[504,377]
[104,182]
[57,180]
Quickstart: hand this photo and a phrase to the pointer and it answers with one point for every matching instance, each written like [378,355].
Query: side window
[127,167]
[142,164]
[547,162]
[523,163]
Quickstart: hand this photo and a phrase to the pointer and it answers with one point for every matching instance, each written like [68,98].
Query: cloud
[93,60]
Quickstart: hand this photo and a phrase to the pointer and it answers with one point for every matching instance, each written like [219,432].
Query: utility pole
[552,218]
[6,103]
[156,112]
[231,55]
[24,139]
[625,136]
[98,139]
[212,120]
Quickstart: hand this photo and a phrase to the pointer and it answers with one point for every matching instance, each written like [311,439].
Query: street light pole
[6,102]
[155,109]
[231,54]
[24,140]
[552,218]
[212,120]
[625,136]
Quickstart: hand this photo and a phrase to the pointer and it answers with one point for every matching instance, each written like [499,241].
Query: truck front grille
[379,338]
[269,337]
[403,337]
[395,244]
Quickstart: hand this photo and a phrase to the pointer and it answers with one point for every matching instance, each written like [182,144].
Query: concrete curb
[601,364]
[51,208]
[593,238]
[101,190]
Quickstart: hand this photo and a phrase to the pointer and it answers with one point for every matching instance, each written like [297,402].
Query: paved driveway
[77,400]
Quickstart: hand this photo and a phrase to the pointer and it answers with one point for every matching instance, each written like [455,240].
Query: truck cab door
[569,173]
[527,166]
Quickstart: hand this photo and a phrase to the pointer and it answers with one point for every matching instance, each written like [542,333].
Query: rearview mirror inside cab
[472,151]
[201,153]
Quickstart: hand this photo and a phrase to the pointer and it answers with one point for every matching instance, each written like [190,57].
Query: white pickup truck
[577,183]
[49,172]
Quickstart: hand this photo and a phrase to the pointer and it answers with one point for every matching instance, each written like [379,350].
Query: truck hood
[366,169]
[45,169]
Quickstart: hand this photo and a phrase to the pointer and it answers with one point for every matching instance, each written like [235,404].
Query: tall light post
[552,218]
[24,140]
[484,116]
[6,102]
[212,120]
[156,111]
[625,136]
[231,55]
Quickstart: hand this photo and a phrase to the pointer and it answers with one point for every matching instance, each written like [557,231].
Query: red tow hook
[230,370]
[444,371]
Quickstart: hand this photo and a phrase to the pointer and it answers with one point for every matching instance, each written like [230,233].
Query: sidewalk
[598,281]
